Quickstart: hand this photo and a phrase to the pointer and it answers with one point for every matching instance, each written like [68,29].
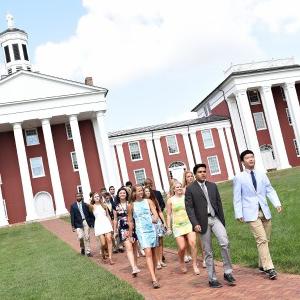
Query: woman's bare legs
[191,237]
[181,245]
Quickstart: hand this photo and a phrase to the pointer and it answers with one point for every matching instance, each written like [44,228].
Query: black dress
[122,218]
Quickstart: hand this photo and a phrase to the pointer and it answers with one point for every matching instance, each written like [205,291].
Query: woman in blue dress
[144,213]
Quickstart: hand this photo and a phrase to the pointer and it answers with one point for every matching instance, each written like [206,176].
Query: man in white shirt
[250,189]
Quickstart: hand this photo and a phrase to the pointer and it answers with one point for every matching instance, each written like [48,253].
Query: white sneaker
[190,258]
[186,259]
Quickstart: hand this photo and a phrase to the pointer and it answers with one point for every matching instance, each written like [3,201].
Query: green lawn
[285,239]
[37,265]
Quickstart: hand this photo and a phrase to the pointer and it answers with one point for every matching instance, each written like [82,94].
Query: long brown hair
[133,191]
[184,182]
[152,198]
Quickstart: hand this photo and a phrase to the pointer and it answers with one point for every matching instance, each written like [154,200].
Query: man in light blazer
[250,189]
[204,208]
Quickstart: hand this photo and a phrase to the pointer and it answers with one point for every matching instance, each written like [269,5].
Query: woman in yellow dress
[181,227]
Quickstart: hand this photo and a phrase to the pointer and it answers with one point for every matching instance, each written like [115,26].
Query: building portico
[249,94]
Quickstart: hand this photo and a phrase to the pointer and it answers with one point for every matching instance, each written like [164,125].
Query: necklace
[124,209]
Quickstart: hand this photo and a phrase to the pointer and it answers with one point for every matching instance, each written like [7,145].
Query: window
[207,138]
[32,137]
[9,71]
[5,209]
[282,93]
[296,147]
[259,120]
[37,167]
[69,131]
[7,54]
[16,51]
[254,97]
[172,144]
[79,189]
[28,68]
[18,68]
[213,164]
[24,48]
[140,176]
[288,116]
[135,151]
[74,161]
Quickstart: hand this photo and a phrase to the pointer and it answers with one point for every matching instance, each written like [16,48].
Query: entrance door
[176,170]
[268,157]
[44,205]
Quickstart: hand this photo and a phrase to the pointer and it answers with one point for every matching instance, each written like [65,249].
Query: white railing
[260,65]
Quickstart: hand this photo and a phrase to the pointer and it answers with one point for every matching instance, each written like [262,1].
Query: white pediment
[26,86]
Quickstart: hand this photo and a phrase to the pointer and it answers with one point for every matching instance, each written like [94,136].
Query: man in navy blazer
[250,189]
[82,219]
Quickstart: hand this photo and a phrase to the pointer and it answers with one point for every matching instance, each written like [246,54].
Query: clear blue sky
[157,58]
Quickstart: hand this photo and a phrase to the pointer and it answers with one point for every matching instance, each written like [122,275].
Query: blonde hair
[184,182]
[173,182]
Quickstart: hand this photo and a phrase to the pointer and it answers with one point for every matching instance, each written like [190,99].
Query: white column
[24,171]
[234,157]
[188,150]
[53,168]
[161,164]
[195,146]
[3,218]
[248,127]
[225,153]
[122,162]
[236,124]
[101,156]
[105,150]
[154,166]
[274,127]
[83,174]
[294,108]
[117,182]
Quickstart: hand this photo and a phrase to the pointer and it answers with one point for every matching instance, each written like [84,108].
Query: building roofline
[7,77]
[8,30]
[164,126]
[240,73]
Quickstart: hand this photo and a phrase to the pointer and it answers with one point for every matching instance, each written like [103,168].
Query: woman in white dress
[103,227]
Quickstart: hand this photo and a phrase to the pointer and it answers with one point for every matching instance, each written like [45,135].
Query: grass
[285,238]
[37,265]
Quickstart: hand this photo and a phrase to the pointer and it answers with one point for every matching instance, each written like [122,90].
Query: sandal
[111,262]
[196,271]
[155,284]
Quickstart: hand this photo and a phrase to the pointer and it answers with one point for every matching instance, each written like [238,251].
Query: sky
[157,58]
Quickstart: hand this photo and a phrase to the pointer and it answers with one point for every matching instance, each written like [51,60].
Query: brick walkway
[174,285]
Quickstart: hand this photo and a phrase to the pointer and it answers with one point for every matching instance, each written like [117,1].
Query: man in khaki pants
[250,189]
[82,219]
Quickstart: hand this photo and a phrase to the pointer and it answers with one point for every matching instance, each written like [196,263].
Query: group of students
[133,218]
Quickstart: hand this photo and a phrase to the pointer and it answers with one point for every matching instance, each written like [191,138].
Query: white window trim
[43,174]
[75,170]
[37,134]
[295,144]
[263,118]
[254,103]
[216,156]
[139,170]
[138,143]
[79,187]
[212,138]
[288,116]
[282,92]
[66,126]
[176,144]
